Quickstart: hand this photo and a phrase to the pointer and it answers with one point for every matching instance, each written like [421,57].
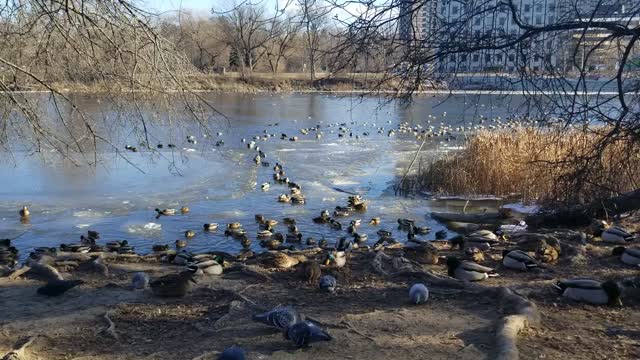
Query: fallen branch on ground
[18,348]
[111,329]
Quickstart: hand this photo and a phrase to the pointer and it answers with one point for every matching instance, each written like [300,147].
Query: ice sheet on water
[143,228]
[522,208]
[91,213]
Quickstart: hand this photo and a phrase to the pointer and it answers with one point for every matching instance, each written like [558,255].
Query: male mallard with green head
[174,285]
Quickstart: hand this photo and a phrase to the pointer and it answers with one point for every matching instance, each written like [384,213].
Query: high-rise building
[416,21]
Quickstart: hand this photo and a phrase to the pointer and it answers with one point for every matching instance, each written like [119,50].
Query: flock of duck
[523,251]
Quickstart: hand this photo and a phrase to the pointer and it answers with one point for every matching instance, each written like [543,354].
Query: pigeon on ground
[280,317]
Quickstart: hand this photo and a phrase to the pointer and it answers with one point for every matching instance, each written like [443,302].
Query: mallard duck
[210,227]
[115,245]
[341,213]
[174,285]
[284,261]
[481,243]
[189,234]
[166,212]
[270,223]
[335,224]
[209,267]
[406,223]
[245,242]
[441,234]
[467,270]
[289,221]
[280,317]
[183,258]
[305,332]
[235,233]
[298,199]
[294,237]
[344,244]
[58,287]
[518,260]
[24,212]
[264,234]
[354,199]
[327,283]
[375,221]
[547,248]
[180,243]
[311,241]
[321,219]
[336,258]
[325,213]
[277,167]
[284,198]
[87,240]
[421,230]
[234,226]
[271,244]
[418,294]
[356,223]
[423,254]
[351,229]
[160,248]
[362,207]
[591,291]
[265,186]
[293,185]
[617,235]
[323,243]
[184,209]
[93,234]
[295,191]
[383,232]
[311,271]
[259,218]
[473,254]
[629,256]
[278,236]
[360,237]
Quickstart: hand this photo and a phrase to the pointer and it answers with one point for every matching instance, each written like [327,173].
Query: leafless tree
[313,17]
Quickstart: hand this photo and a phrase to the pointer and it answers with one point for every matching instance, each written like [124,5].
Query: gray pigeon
[233,353]
[328,282]
[280,317]
[140,280]
[418,294]
[305,332]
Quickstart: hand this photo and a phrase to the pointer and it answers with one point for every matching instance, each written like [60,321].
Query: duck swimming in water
[24,212]
[166,212]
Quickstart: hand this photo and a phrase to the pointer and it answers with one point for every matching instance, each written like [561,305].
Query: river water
[222,184]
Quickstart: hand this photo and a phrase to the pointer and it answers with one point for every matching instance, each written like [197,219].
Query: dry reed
[568,166]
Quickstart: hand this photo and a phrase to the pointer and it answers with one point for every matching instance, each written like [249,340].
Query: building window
[476,57]
[512,58]
[487,57]
[552,7]
[527,8]
[527,20]
[551,19]
[539,20]
[499,58]
[454,10]
[477,20]
[539,8]
[452,58]
[463,57]
[502,21]
[536,58]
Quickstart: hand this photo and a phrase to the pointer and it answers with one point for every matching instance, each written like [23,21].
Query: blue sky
[171,5]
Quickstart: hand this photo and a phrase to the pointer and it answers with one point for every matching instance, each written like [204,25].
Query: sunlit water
[222,184]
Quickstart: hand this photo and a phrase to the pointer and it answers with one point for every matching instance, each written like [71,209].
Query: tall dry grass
[569,166]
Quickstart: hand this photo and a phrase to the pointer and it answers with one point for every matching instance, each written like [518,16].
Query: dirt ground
[369,316]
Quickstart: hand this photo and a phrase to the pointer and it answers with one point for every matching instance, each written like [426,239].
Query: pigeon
[140,280]
[418,294]
[58,287]
[305,332]
[328,283]
[280,317]
[233,353]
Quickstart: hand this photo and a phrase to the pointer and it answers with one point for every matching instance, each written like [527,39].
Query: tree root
[111,329]
[18,349]
[524,314]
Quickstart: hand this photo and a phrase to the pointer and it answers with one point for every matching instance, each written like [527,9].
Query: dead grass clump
[569,166]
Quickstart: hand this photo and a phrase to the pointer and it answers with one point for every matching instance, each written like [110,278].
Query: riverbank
[369,316]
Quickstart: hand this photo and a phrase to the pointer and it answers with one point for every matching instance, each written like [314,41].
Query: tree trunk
[618,204]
